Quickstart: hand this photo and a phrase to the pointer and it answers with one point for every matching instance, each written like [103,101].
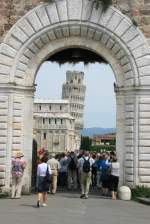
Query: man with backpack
[72,170]
[85,166]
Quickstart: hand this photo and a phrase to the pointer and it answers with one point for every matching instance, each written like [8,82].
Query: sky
[100,102]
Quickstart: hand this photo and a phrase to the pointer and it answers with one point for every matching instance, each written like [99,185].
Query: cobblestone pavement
[68,208]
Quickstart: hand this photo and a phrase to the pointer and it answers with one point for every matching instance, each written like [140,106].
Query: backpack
[86,165]
[72,165]
[94,168]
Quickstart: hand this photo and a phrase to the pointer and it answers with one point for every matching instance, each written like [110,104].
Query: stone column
[6,111]
[131,138]
[120,123]
[137,137]
[27,136]
[144,138]
[128,127]
[16,130]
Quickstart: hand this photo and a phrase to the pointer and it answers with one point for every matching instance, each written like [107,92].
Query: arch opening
[52,71]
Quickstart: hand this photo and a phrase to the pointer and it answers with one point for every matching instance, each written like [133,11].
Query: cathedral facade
[58,123]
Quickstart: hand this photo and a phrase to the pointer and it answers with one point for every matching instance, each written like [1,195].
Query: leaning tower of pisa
[74,90]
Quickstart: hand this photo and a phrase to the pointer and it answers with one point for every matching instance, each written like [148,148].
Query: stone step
[145,201]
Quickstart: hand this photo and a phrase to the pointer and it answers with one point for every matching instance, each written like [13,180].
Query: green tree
[86,143]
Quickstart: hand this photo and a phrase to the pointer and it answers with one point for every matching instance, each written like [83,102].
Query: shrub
[140,191]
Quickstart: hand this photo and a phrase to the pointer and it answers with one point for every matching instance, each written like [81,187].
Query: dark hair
[114,159]
[44,159]
[86,153]
[63,155]
[94,156]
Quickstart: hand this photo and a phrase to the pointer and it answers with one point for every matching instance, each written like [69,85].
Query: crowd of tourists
[70,171]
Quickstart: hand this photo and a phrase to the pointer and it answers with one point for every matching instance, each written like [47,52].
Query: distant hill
[97,131]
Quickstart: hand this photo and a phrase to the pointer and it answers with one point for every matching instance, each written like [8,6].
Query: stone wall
[111,35]
[12,10]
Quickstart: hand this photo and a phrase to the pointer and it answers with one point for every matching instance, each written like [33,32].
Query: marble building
[57,123]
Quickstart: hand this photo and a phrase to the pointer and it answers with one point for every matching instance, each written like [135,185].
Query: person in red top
[17,171]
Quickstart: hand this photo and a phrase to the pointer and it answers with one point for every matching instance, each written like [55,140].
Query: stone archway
[49,28]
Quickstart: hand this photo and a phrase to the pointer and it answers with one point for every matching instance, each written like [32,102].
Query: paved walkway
[68,208]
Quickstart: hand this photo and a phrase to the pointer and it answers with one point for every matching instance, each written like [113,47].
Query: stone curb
[145,201]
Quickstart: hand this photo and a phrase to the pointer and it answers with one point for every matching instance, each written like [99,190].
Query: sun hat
[19,154]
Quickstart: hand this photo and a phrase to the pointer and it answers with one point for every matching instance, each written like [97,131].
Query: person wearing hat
[17,171]
[55,167]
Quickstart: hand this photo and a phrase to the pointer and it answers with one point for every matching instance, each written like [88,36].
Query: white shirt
[115,169]
[42,168]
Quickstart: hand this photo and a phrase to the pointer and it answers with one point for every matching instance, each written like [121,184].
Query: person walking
[63,170]
[94,171]
[17,171]
[55,167]
[72,170]
[105,174]
[85,165]
[43,171]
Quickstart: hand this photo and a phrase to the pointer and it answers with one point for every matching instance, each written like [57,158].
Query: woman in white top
[42,185]
[114,177]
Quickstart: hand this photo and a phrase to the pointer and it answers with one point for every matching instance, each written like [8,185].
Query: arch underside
[56,26]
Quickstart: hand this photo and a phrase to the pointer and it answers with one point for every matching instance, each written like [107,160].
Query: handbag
[47,178]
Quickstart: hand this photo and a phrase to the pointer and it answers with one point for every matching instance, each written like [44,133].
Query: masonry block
[7,50]
[145,121]
[144,157]
[25,25]
[2,182]
[62,10]
[145,179]
[2,161]
[129,171]
[144,164]
[19,34]
[114,21]
[2,168]
[42,14]
[122,27]
[144,107]
[2,154]
[52,13]
[129,157]
[33,19]
[129,177]
[2,175]
[95,14]
[74,9]
[106,17]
